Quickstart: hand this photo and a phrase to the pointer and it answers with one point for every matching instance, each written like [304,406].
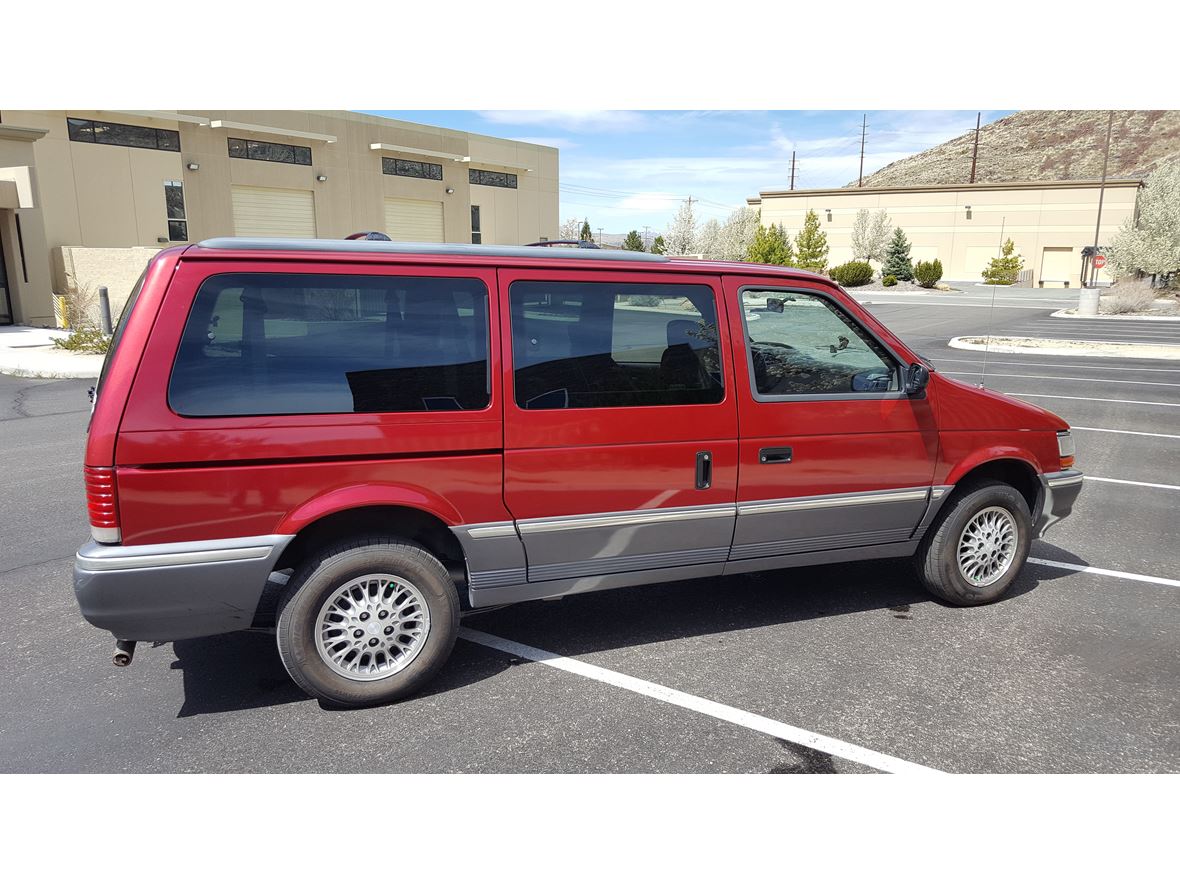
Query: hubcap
[372,627]
[987,546]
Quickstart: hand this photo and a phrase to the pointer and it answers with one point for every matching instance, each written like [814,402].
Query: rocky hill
[1044,146]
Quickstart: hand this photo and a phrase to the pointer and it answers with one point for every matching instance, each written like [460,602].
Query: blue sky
[626,169]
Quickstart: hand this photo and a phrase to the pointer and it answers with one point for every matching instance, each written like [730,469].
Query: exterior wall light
[321,178]
[968,208]
[450,190]
[193,167]
[829,211]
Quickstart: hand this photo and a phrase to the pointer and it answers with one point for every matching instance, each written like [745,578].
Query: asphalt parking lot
[828,669]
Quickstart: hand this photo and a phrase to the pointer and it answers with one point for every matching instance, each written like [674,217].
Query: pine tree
[633,242]
[658,246]
[897,257]
[1004,270]
[811,245]
[770,246]
[586,235]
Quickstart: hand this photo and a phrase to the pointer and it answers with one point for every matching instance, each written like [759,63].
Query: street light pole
[1101,193]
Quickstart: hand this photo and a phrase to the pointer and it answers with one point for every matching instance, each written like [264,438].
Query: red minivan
[352,442]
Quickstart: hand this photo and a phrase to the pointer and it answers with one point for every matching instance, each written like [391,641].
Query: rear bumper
[159,592]
[1059,491]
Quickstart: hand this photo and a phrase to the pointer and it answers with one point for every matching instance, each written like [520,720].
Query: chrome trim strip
[937,492]
[816,502]
[1064,478]
[220,550]
[610,520]
[490,530]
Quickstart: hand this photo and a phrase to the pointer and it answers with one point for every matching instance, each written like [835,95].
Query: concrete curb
[1064,313]
[1066,347]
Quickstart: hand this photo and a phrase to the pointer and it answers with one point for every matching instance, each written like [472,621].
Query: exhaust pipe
[124,652]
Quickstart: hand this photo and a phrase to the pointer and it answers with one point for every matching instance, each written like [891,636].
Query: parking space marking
[1069,378]
[733,715]
[1132,482]
[1092,399]
[1128,432]
[1110,573]
[996,359]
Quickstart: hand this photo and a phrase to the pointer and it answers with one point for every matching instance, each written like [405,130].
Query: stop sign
[1100,261]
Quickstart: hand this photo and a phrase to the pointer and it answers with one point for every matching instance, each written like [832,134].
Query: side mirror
[916,379]
[774,305]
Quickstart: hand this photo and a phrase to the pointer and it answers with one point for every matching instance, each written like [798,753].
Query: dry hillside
[1044,146]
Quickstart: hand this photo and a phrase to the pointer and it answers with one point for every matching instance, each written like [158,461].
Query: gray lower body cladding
[162,592]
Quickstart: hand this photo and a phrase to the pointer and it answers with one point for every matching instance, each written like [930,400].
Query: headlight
[1065,449]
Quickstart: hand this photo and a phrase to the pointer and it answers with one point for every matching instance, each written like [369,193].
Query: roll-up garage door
[273,212]
[414,221]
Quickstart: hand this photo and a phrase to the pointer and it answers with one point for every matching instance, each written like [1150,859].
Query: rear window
[299,344]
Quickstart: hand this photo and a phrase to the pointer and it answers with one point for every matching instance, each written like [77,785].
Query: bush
[644,300]
[889,280]
[927,273]
[84,340]
[1005,270]
[1128,296]
[852,273]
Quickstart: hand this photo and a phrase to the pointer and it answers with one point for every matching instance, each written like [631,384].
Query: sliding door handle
[704,470]
[775,456]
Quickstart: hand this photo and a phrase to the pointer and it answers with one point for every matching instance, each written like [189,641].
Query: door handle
[704,470]
[775,456]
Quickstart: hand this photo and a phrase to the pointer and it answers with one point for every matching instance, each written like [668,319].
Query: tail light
[1065,449]
[103,504]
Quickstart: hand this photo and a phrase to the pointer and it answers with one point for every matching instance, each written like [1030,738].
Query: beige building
[87,196]
[1049,222]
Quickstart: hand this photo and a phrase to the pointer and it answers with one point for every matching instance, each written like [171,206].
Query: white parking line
[1110,573]
[1128,432]
[997,359]
[725,713]
[1132,482]
[1092,399]
[1069,378]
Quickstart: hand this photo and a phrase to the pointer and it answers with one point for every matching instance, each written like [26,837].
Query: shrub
[644,300]
[927,273]
[85,340]
[889,280]
[1003,271]
[1128,296]
[852,273]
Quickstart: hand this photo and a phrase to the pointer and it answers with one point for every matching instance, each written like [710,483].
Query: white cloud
[562,144]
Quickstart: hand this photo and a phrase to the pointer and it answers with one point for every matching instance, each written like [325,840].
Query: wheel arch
[1012,468]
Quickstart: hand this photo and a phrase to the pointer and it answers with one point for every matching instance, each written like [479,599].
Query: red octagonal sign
[1100,261]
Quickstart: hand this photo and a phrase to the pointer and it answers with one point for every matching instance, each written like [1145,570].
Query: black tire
[936,559]
[322,575]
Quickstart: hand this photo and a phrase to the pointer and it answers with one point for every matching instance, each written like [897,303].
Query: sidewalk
[29,353]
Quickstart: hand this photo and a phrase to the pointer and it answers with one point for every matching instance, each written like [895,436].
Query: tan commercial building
[87,196]
[1049,222]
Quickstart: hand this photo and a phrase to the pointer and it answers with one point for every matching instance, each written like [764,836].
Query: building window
[476,236]
[174,200]
[411,168]
[245,149]
[491,179]
[122,135]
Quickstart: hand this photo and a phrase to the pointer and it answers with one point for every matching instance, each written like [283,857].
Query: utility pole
[1101,192]
[864,126]
[792,170]
[975,153]
[690,202]
[600,236]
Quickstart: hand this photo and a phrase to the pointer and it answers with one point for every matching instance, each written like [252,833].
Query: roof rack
[282,244]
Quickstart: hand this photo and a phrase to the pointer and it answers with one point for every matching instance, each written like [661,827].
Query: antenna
[987,342]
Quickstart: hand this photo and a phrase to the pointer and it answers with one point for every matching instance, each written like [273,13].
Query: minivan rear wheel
[977,546]
[367,621]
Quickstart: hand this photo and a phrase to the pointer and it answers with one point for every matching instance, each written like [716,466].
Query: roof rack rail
[283,244]
[581,244]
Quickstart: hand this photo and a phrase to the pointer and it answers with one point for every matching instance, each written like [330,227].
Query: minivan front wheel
[975,550]
[368,621]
